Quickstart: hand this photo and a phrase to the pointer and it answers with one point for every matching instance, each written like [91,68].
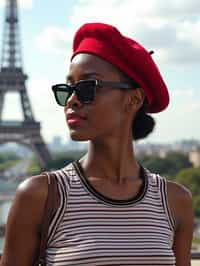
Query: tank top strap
[162,185]
[63,180]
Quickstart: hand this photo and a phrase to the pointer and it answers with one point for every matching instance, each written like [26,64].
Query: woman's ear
[135,100]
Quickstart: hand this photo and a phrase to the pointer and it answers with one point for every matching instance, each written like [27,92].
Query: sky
[170,28]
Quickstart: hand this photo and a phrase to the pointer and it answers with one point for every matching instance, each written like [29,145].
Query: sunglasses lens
[85,91]
[62,93]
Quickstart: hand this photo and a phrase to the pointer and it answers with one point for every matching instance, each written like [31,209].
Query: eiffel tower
[13,79]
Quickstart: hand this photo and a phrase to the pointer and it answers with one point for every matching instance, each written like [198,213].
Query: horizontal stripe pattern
[88,231]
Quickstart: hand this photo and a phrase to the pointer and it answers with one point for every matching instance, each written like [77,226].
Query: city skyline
[171,29]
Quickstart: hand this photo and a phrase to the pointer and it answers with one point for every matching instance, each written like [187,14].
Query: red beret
[127,55]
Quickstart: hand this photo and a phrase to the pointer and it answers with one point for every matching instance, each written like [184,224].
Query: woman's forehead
[89,63]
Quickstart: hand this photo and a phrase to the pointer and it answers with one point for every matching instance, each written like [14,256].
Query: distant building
[163,149]
[194,157]
[57,144]
[163,153]
[76,145]
[57,141]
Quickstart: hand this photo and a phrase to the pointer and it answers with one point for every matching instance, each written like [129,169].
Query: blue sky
[170,28]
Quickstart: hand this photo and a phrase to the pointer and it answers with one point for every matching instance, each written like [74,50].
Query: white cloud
[183,101]
[170,28]
[194,107]
[185,93]
[54,39]
[174,8]
[180,120]
[22,3]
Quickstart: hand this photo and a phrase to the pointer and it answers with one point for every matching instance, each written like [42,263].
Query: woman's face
[103,117]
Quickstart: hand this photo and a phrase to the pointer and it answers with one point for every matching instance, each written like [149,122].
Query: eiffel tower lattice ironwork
[13,79]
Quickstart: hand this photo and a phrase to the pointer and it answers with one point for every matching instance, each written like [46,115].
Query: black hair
[143,123]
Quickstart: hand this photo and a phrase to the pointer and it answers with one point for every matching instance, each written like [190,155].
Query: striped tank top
[91,229]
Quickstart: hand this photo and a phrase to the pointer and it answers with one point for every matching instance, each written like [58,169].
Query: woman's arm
[180,201]
[23,225]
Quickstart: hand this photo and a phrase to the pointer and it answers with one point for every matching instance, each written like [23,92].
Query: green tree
[168,166]
[60,159]
[8,156]
[8,160]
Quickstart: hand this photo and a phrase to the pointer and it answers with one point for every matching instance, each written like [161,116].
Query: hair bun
[143,125]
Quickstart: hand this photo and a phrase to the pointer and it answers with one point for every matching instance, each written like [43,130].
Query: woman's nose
[73,101]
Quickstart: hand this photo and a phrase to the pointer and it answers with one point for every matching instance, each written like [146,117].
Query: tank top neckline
[135,199]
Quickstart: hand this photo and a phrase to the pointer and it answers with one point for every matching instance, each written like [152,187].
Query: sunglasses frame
[97,84]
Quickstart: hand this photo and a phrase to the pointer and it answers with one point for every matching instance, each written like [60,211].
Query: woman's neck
[113,160]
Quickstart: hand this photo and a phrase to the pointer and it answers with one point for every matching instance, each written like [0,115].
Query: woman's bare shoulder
[178,191]
[180,201]
[25,216]
[30,197]
[34,187]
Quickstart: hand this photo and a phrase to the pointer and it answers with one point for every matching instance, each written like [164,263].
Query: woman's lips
[75,119]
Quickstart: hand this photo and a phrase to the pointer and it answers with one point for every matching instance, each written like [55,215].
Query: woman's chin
[78,137]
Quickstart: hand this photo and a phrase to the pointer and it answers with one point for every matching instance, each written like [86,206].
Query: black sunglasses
[85,90]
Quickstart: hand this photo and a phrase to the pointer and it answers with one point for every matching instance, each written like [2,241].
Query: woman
[109,209]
